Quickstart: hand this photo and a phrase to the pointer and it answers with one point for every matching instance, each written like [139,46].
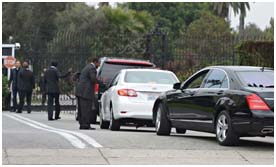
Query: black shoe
[18,112]
[57,118]
[29,112]
[51,119]
[86,128]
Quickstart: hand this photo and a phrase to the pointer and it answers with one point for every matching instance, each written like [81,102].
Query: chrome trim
[190,120]
[269,98]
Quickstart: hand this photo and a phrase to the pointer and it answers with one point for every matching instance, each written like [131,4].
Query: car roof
[240,68]
[126,61]
[153,70]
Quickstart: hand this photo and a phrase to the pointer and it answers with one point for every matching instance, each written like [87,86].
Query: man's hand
[70,70]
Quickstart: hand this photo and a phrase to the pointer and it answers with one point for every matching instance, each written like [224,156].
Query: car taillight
[256,103]
[127,92]
[96,88]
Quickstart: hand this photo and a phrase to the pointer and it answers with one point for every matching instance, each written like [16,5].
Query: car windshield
[150,77]
[263,79]
[110,70]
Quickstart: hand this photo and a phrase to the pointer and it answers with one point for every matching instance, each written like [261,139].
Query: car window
[154,77]
[216,79]
[257,78]
[108,71]
[196,81]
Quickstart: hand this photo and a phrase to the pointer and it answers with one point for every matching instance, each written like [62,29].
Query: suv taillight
[96,88]
[256,103]
[127,92]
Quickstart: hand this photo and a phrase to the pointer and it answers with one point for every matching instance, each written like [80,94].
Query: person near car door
[25,84]
[13,85]
[51,80]
[86,95]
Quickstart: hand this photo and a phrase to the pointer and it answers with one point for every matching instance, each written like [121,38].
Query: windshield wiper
[270,86]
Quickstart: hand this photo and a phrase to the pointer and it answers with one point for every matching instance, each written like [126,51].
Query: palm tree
[243,7]
[222,10]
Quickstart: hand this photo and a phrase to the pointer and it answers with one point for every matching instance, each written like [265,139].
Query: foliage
[174,17]
[256,53]
[269,31]
[5,91]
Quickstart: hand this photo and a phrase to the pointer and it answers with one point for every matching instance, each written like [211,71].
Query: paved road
[31,139]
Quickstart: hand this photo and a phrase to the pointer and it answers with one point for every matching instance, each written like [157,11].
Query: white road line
[72,139]
[86,138]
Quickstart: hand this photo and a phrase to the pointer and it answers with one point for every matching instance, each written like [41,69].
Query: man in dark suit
[86,95]
[25,84]
[51,79]
[13,85]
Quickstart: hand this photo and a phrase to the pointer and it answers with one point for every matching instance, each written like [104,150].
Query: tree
[222,10]
[173,17]
[269,31]
[252,31]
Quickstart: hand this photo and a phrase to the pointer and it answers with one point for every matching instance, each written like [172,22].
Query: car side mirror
[177,85]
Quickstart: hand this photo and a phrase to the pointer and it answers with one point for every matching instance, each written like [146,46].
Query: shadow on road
[244,143]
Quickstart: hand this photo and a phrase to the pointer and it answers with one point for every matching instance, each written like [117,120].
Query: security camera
[17,45]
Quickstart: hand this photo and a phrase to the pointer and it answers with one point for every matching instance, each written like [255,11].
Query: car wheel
[180,131]
[103,124]
[114,124]
[224,132]
[162,124]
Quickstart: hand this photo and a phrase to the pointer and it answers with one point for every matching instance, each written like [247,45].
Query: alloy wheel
[222,128]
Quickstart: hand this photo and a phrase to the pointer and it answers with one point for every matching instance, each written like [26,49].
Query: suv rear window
[257,78]
[110,70]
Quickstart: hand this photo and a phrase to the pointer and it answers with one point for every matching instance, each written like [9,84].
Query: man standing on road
[26,84]
[51,77]
[86,95]
[13,81]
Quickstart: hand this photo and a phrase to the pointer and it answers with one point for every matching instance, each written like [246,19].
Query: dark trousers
[22,95]
[84,112]
[51,98]
[43,98]
[14,99]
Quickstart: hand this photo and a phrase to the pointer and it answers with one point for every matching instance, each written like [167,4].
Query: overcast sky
[260,14]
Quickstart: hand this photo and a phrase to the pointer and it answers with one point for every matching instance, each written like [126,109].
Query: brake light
[96,88]
[127,92]
[256,103]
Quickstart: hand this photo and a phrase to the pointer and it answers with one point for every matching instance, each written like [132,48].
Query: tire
[180,131]
[162,124]
[103,124]
[224,132]
[114,125]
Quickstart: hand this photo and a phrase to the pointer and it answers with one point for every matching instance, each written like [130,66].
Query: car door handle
[220,92]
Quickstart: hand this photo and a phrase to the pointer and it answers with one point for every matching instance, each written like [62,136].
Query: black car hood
[267,94]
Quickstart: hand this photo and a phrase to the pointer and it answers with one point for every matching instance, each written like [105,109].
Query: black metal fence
[183,54]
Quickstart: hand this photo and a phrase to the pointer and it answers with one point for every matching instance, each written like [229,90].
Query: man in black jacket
[25,84]
[86,94]
[13,85]
[51,78]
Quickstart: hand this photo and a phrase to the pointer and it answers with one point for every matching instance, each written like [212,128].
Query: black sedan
[230,101]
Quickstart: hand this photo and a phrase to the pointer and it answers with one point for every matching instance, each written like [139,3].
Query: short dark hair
[93,60]
[54,63]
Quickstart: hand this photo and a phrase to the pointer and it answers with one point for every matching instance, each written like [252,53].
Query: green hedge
[256,53]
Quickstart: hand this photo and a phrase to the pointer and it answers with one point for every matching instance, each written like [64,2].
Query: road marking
[84,137]
[72,139]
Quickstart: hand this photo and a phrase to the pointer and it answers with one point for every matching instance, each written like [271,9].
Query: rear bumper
[261,123]
[127,109]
